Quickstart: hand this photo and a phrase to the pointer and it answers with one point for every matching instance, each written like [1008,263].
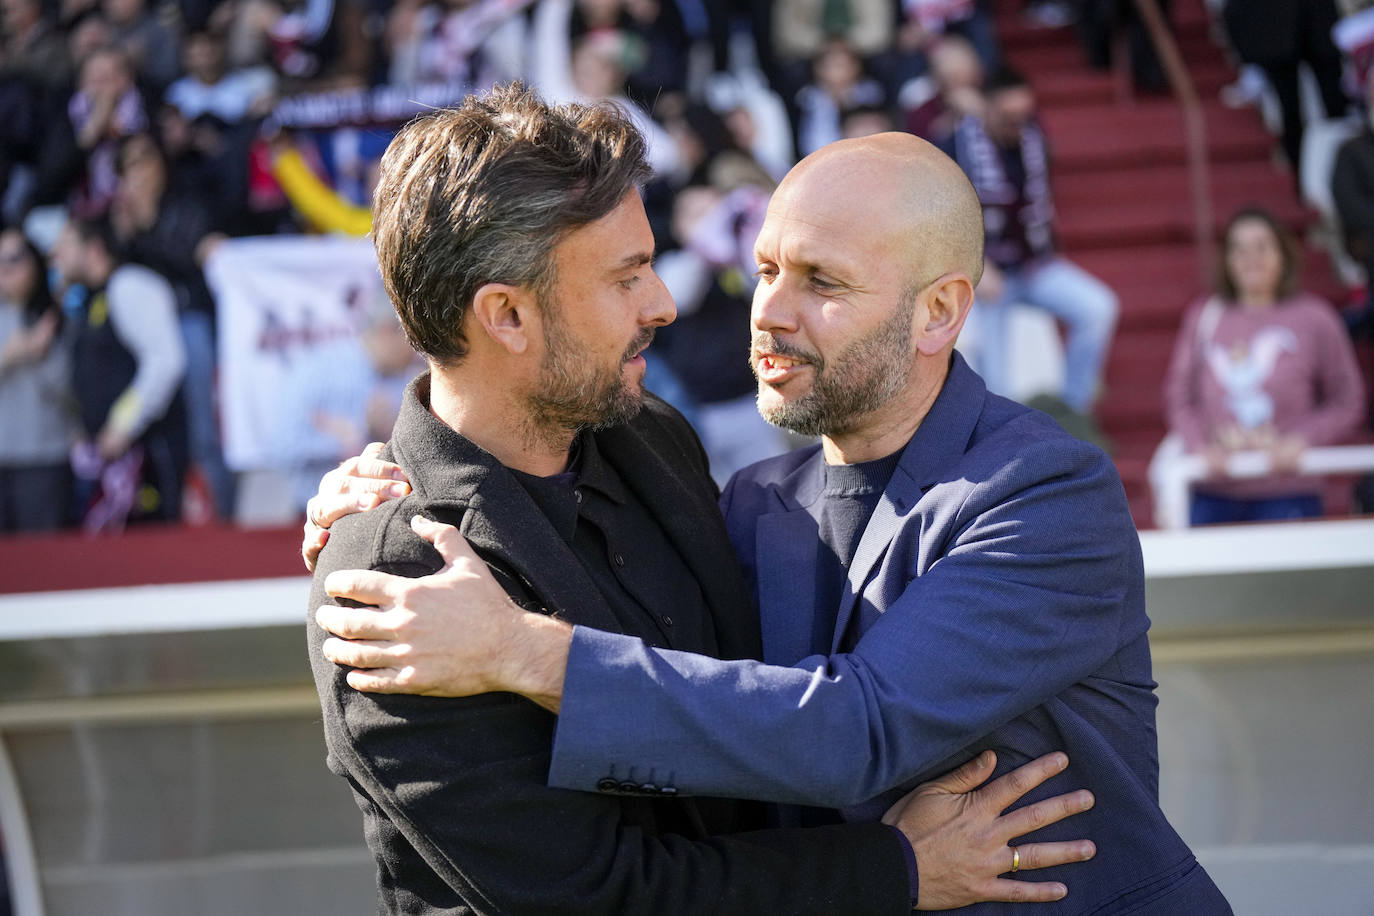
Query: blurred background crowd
[186,333]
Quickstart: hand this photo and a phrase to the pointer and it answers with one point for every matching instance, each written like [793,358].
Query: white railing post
[1176,478]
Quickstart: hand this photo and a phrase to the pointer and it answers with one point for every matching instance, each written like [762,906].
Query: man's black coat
[453,794]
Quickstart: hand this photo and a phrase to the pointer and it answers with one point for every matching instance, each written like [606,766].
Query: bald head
[916,197]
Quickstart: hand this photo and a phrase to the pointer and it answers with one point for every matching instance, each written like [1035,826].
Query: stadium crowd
[138,137]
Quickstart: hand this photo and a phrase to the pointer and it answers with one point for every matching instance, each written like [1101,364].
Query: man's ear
[503,312]
[948,301]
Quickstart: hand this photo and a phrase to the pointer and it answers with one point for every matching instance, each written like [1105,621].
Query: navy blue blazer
[1005,574]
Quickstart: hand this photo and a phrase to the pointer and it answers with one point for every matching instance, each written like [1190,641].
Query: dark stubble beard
[574,395]
[865,376]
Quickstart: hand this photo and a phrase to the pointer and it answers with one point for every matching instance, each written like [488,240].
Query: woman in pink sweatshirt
[1259,365]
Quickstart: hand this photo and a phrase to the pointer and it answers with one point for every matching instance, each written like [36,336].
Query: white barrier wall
[160,747]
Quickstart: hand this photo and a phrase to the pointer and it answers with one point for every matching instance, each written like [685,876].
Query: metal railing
[1194,128]
[1176,476]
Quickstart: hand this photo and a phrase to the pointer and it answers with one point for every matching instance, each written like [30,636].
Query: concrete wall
[160,747]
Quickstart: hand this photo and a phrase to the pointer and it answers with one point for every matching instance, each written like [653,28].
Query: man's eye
[630,283]
[766,273]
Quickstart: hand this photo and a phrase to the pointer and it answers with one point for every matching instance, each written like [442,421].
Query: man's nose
[661,309]
[773,309]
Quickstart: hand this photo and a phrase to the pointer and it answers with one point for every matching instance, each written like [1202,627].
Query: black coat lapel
[688,514]
[462,484]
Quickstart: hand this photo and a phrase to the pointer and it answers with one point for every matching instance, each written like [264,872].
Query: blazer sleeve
[1025,601]
[463,783]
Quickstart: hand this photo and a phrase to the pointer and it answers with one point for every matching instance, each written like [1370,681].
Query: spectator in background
[1006,157]
[756,118]
[708,151]
[1352,189]
[479,42]
[326,415]
[1100,22]
[802,29]
[35,477]
[87,32]
[1259,365]
[208,159]
[150,46]
[654,45]
[128,361]
[838,85]
[588,69]
[865,122]
[33,67]
[209,88]
[33,49]
[926,22]
[1278,35]
[171,232]
[952,91]
[105,108]
[324,42]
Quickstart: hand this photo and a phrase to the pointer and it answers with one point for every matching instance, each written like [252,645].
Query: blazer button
[629,788]
[607,784]
[649,788]
[668,790]
[619,560]
[667,621]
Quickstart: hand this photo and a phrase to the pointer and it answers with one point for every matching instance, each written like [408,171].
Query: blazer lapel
[786,542]
[942,437]
[787,585]
[882,527]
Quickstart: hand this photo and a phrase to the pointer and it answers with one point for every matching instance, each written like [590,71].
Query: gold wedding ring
[1015,858]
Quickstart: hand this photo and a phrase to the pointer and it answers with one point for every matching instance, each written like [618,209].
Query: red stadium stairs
[1125,209]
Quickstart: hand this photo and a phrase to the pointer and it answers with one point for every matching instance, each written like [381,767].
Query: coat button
[607,784]
[649,788]
[619,560]
[667,621]
[629,788]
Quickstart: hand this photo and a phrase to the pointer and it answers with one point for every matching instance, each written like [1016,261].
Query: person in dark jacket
[128,364]
[171,230]
[1278,36]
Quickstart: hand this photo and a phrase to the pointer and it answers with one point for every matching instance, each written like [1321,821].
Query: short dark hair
[1288,252]
[123,144]
[40,300]
[99,229]
[482,193]
[1004,78]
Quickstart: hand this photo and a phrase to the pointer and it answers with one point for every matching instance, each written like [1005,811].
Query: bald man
[947,572]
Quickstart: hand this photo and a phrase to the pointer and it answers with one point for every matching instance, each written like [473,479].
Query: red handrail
[1195,132]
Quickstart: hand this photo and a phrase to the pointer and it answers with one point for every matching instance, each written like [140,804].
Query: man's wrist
[537,660]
